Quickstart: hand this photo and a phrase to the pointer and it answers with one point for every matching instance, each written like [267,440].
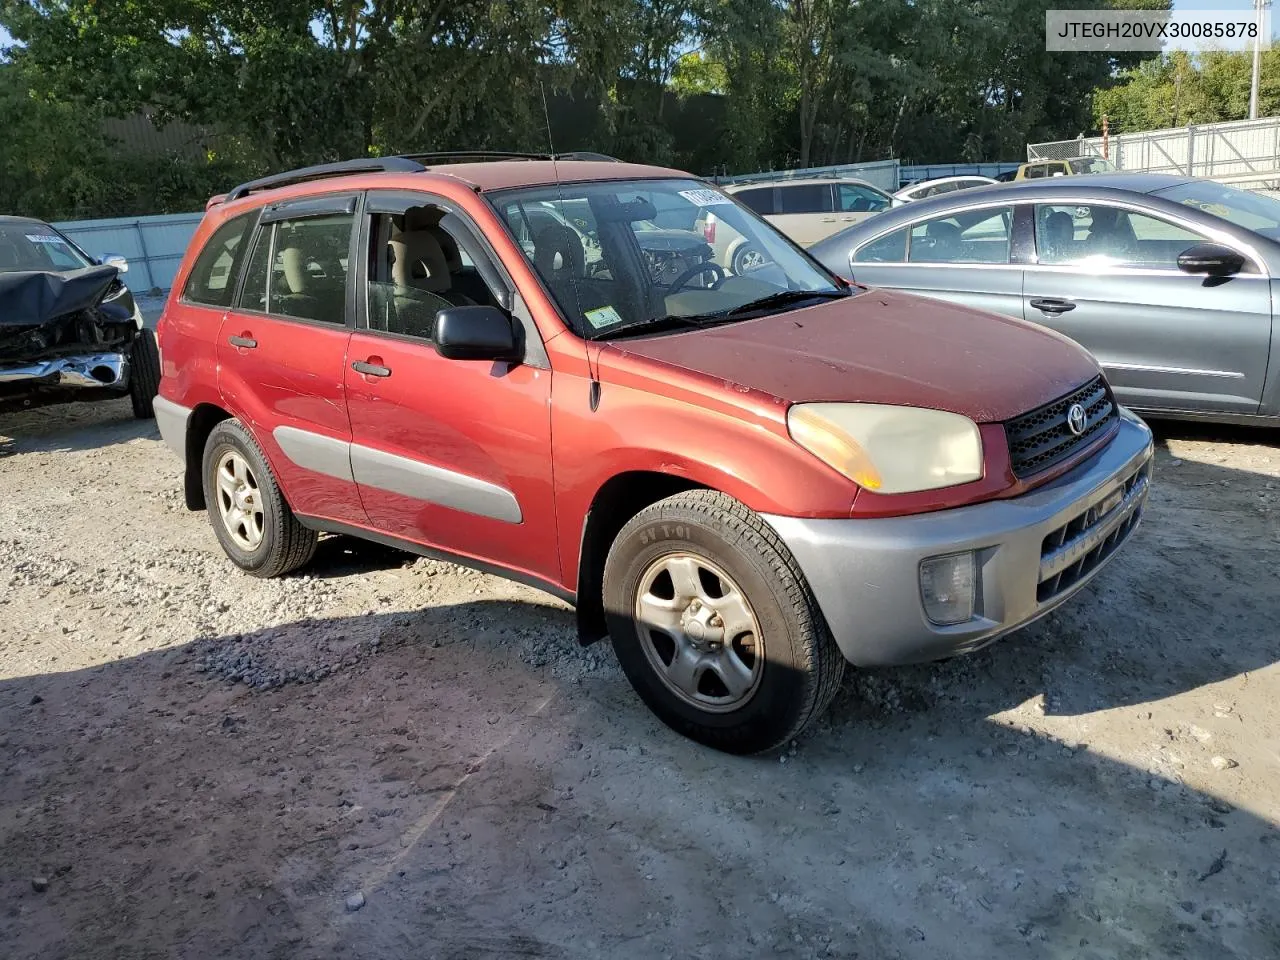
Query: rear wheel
[715,626]
[144,373]
[250,517]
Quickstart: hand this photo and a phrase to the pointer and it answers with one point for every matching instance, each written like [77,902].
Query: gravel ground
[390,757]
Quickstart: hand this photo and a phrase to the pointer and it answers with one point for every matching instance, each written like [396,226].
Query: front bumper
[1031,552]
[90,370]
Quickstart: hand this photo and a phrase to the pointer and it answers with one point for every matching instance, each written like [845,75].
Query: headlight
[890,449]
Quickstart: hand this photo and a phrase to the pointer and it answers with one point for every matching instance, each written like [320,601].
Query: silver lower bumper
[87,370]
[171,420]
[1032,553]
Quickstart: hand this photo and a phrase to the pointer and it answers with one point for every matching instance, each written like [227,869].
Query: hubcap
[699,632]
[240,501]
[751,260]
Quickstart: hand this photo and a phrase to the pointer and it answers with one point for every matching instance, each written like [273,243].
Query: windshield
[644,253]
[36,246]
[1253,211]
[1091,165]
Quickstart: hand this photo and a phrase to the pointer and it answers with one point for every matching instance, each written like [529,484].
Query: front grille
[1077,548]
[1041,438]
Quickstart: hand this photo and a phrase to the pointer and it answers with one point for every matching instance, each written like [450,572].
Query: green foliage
[1178,90]
[710,85]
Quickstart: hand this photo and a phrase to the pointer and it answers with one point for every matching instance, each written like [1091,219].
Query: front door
[1108,278]
[454,455]
[283,347]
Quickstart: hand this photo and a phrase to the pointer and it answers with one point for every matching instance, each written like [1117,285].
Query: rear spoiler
[215,200]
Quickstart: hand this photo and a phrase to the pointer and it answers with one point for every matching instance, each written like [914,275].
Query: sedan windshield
[1253,211]
[36,246]
[641,256]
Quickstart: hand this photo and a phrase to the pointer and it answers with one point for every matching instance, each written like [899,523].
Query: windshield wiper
[659,324]
[781,299]
[688,321]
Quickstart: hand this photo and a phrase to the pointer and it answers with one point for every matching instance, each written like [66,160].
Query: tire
[718,548]
[745,259]
[144,373]
[263,538]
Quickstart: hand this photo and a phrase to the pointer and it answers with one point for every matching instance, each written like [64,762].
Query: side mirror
[476,333]
[1213,259]
[114,260]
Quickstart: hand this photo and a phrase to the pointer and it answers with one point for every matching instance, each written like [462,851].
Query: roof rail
[323,170]
[479,156]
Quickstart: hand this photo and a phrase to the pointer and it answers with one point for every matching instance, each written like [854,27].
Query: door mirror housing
[476,333]
[1213,259]
[115,260]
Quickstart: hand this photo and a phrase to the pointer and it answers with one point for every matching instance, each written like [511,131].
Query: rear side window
[806,198]
[213,278]
[299,269]
[760,200]
[891,248]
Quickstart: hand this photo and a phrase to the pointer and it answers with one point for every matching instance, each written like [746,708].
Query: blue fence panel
[153,245]
[934,171]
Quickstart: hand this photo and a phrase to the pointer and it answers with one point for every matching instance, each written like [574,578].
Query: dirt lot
[391,757]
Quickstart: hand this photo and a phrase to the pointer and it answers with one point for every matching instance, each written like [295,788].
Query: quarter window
[806,198]
[213,277]
[1098,235]
[299,269]
[972,236]
[891,248]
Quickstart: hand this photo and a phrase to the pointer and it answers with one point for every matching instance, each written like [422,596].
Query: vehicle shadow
[491,790]
[70,427]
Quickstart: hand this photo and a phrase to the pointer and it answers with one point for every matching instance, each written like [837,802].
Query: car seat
[1059,237]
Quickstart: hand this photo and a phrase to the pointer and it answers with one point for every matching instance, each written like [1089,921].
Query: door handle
[248,343]
[1053,305]
[370,369]
[828,219]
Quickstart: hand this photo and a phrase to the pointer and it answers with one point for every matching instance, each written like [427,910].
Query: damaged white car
[69,327]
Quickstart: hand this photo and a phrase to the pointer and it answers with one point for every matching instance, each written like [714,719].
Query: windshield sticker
[45,238]
[705,198]
[602,317]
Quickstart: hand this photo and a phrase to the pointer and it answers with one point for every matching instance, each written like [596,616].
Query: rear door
[450,454]
[806,212]
[963,257]
[1108,277]
[283,351]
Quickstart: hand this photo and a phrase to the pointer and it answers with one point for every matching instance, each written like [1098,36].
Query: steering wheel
[697,270]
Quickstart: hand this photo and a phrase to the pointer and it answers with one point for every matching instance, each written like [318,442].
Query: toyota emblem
[1076,419]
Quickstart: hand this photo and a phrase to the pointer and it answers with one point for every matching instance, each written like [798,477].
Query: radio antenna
[594,398]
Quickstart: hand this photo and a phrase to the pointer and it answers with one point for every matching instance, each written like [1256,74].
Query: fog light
[947,588]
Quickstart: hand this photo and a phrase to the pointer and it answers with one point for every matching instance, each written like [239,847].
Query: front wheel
[715,626]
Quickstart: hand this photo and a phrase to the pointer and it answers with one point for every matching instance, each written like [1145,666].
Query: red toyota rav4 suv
[539,368]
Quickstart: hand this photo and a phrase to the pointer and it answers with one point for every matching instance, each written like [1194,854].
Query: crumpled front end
[62,334]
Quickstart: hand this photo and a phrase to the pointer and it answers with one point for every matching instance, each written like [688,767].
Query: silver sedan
[1168,281]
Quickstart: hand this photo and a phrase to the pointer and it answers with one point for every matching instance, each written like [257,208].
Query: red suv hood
[884,347]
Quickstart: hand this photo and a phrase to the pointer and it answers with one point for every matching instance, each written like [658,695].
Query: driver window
[1098,234]
[419,265]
